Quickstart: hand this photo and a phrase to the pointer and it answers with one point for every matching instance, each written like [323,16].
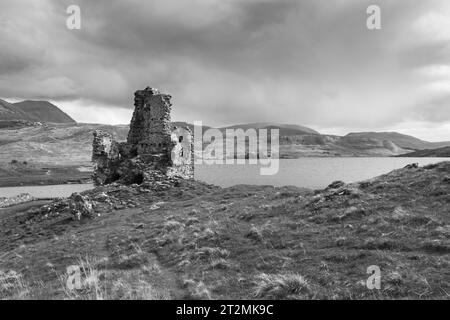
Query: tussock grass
[142,290]
[282,286]
[197,290]
[92,288]
[220,263]
[102,284]
[172,225]
[255,233]
[13,286]
[215,252]
[136,258]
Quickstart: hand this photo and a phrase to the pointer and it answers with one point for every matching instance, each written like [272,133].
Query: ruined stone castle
[155,149]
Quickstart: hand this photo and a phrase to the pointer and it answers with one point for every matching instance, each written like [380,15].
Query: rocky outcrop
[80,206]
[153,144]
[412,166]
[21,198]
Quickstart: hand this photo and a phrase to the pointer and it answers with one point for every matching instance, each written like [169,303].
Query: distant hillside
[439,153]
[182,124]
[61,144]
[336,146]
[401,140]
[36,111]
[285,129]
[43,111]
[10,112]
[71,143]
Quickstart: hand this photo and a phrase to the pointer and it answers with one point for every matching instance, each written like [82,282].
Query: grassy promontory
[440,152]
[193,240]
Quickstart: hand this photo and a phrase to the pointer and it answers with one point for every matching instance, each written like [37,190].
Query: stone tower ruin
[154,146]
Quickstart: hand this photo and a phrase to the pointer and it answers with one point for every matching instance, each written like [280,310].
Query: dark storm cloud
[11,63]
[312,62]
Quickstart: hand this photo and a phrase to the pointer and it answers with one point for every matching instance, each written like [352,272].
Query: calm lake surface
[311,173]
[63,190]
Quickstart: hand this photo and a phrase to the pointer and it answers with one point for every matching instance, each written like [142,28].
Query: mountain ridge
[401,140]
[33,110]
[285,129]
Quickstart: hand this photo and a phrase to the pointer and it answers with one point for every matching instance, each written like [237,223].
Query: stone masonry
[154,148]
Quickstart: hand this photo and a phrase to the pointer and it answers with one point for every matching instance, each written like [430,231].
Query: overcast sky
[309,62]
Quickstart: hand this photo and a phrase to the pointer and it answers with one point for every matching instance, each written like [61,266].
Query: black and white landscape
[119,178]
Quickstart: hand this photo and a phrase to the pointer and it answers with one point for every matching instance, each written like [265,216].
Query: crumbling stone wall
[105,151]
[182,153]
[153,144]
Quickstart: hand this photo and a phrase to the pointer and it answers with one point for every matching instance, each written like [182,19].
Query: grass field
[196,241]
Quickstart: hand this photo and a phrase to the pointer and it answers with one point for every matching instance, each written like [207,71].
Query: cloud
[310,62]
[92,112]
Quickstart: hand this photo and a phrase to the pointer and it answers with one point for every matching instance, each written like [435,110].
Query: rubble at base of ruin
[154,150]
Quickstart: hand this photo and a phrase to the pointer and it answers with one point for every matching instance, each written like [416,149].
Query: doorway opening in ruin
[138,179]
[113,178]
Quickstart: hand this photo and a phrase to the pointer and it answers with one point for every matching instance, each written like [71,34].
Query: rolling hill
[36,111]
[285,129]
[43,111]
[9,112]
[336,146]
[401,140]
[52,143]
